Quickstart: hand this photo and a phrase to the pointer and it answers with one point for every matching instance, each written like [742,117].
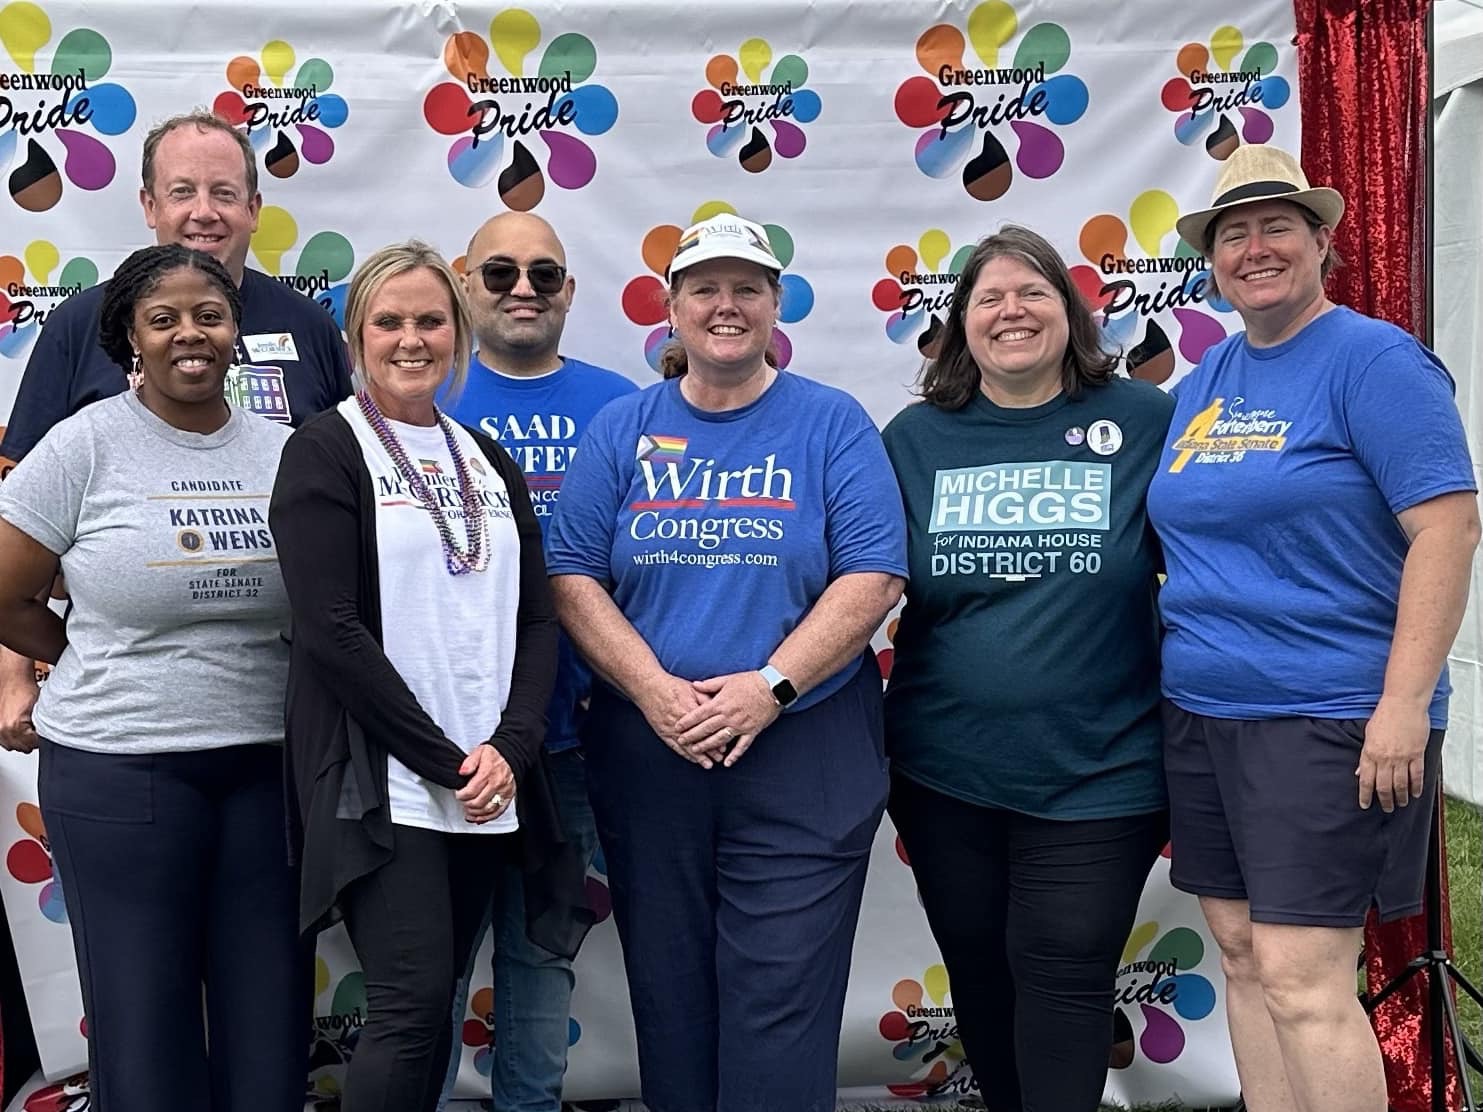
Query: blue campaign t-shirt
[289,364]
[1276,500]
[716,532]
[539,422]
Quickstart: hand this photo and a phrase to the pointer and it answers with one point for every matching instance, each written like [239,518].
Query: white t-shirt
[451,637]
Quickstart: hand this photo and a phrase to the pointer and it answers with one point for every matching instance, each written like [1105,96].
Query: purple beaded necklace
[475,523]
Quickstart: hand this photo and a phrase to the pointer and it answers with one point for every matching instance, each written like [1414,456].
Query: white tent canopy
[1457,272]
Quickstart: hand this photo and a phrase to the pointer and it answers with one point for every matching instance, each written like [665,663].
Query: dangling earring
[136,375]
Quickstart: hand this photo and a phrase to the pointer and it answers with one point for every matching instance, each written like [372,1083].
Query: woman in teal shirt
[1022,714]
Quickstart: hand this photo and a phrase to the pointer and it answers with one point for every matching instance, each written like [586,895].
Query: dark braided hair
[138,276]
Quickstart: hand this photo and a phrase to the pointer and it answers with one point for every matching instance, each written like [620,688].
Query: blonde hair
[390,261]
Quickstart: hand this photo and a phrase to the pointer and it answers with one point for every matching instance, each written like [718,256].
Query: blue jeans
[532,987]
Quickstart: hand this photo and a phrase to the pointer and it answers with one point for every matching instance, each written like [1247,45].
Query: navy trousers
[736,892]
[175,871]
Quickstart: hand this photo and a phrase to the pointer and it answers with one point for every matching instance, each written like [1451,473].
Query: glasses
[545,278]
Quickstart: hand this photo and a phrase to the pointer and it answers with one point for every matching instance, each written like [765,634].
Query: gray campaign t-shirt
[173,639]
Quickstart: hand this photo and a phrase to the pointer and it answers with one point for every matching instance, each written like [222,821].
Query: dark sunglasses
[545,278]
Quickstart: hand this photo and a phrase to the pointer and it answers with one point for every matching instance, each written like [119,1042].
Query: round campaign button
[1104,437]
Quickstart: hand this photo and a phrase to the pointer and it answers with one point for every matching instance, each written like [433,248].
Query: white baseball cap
[724,236]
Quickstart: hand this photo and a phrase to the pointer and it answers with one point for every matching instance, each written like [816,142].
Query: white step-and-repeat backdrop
[877,141]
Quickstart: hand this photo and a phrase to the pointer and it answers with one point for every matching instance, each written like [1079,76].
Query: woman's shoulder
[263,434]
[913,414]
[918,418]
[325,436]
[1367,329]
[819,394]
[106,418]
[326,428]
[819,407]
[1371,342]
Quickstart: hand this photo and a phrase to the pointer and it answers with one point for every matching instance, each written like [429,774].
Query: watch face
[785,693]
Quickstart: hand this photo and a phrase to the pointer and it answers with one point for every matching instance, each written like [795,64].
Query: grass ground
[1465,883]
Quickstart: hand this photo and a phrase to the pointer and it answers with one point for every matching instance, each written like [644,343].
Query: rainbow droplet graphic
[289,132]
[35,182]
[480,153]
[987,166]
[768,124]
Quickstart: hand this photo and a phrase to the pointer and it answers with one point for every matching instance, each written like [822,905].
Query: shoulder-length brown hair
[950,380]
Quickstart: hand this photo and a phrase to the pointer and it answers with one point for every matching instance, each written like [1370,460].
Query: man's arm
[18,691]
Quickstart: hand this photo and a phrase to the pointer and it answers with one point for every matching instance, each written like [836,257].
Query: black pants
[1031,916]
[413,923]
[175,872]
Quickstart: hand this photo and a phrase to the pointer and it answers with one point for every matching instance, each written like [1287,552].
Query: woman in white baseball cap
[726,543]
[1317,509]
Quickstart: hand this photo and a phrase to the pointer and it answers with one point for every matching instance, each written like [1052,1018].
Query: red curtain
[1362,76]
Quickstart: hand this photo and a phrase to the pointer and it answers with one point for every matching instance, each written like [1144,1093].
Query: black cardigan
[348,707]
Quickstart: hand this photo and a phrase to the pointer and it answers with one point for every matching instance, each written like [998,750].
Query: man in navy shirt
[524,393]
[199,190]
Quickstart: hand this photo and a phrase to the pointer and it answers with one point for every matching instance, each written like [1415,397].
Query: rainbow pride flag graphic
[662,449]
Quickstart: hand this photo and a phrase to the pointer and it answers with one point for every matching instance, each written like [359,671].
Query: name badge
[259,390]
[279,345]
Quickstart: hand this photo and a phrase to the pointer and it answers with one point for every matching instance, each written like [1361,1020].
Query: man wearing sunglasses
[536,402]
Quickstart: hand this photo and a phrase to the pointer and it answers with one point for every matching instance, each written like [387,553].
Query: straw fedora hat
[1256,172]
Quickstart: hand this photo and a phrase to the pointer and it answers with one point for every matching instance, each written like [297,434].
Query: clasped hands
[706,721]
[491,786]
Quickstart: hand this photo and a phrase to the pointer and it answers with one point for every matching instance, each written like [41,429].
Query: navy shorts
[1267,810]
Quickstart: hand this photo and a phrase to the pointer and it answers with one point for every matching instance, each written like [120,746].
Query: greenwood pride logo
[1150,304]
[968,108]
[918,289]
[57,109]
[749,91]
[29,861]
[923,1030]
[1161,986]
[322,268]
[285,107]
[31,286]
[1234,105]
[494,116]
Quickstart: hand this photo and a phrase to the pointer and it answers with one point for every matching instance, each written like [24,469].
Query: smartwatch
[783,691]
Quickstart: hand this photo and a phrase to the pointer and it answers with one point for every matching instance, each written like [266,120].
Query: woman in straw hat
[1317,509]
[726,543]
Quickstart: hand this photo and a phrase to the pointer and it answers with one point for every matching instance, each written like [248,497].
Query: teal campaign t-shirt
[1026,660]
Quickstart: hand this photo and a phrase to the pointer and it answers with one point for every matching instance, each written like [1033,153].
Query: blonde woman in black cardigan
[424,647]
